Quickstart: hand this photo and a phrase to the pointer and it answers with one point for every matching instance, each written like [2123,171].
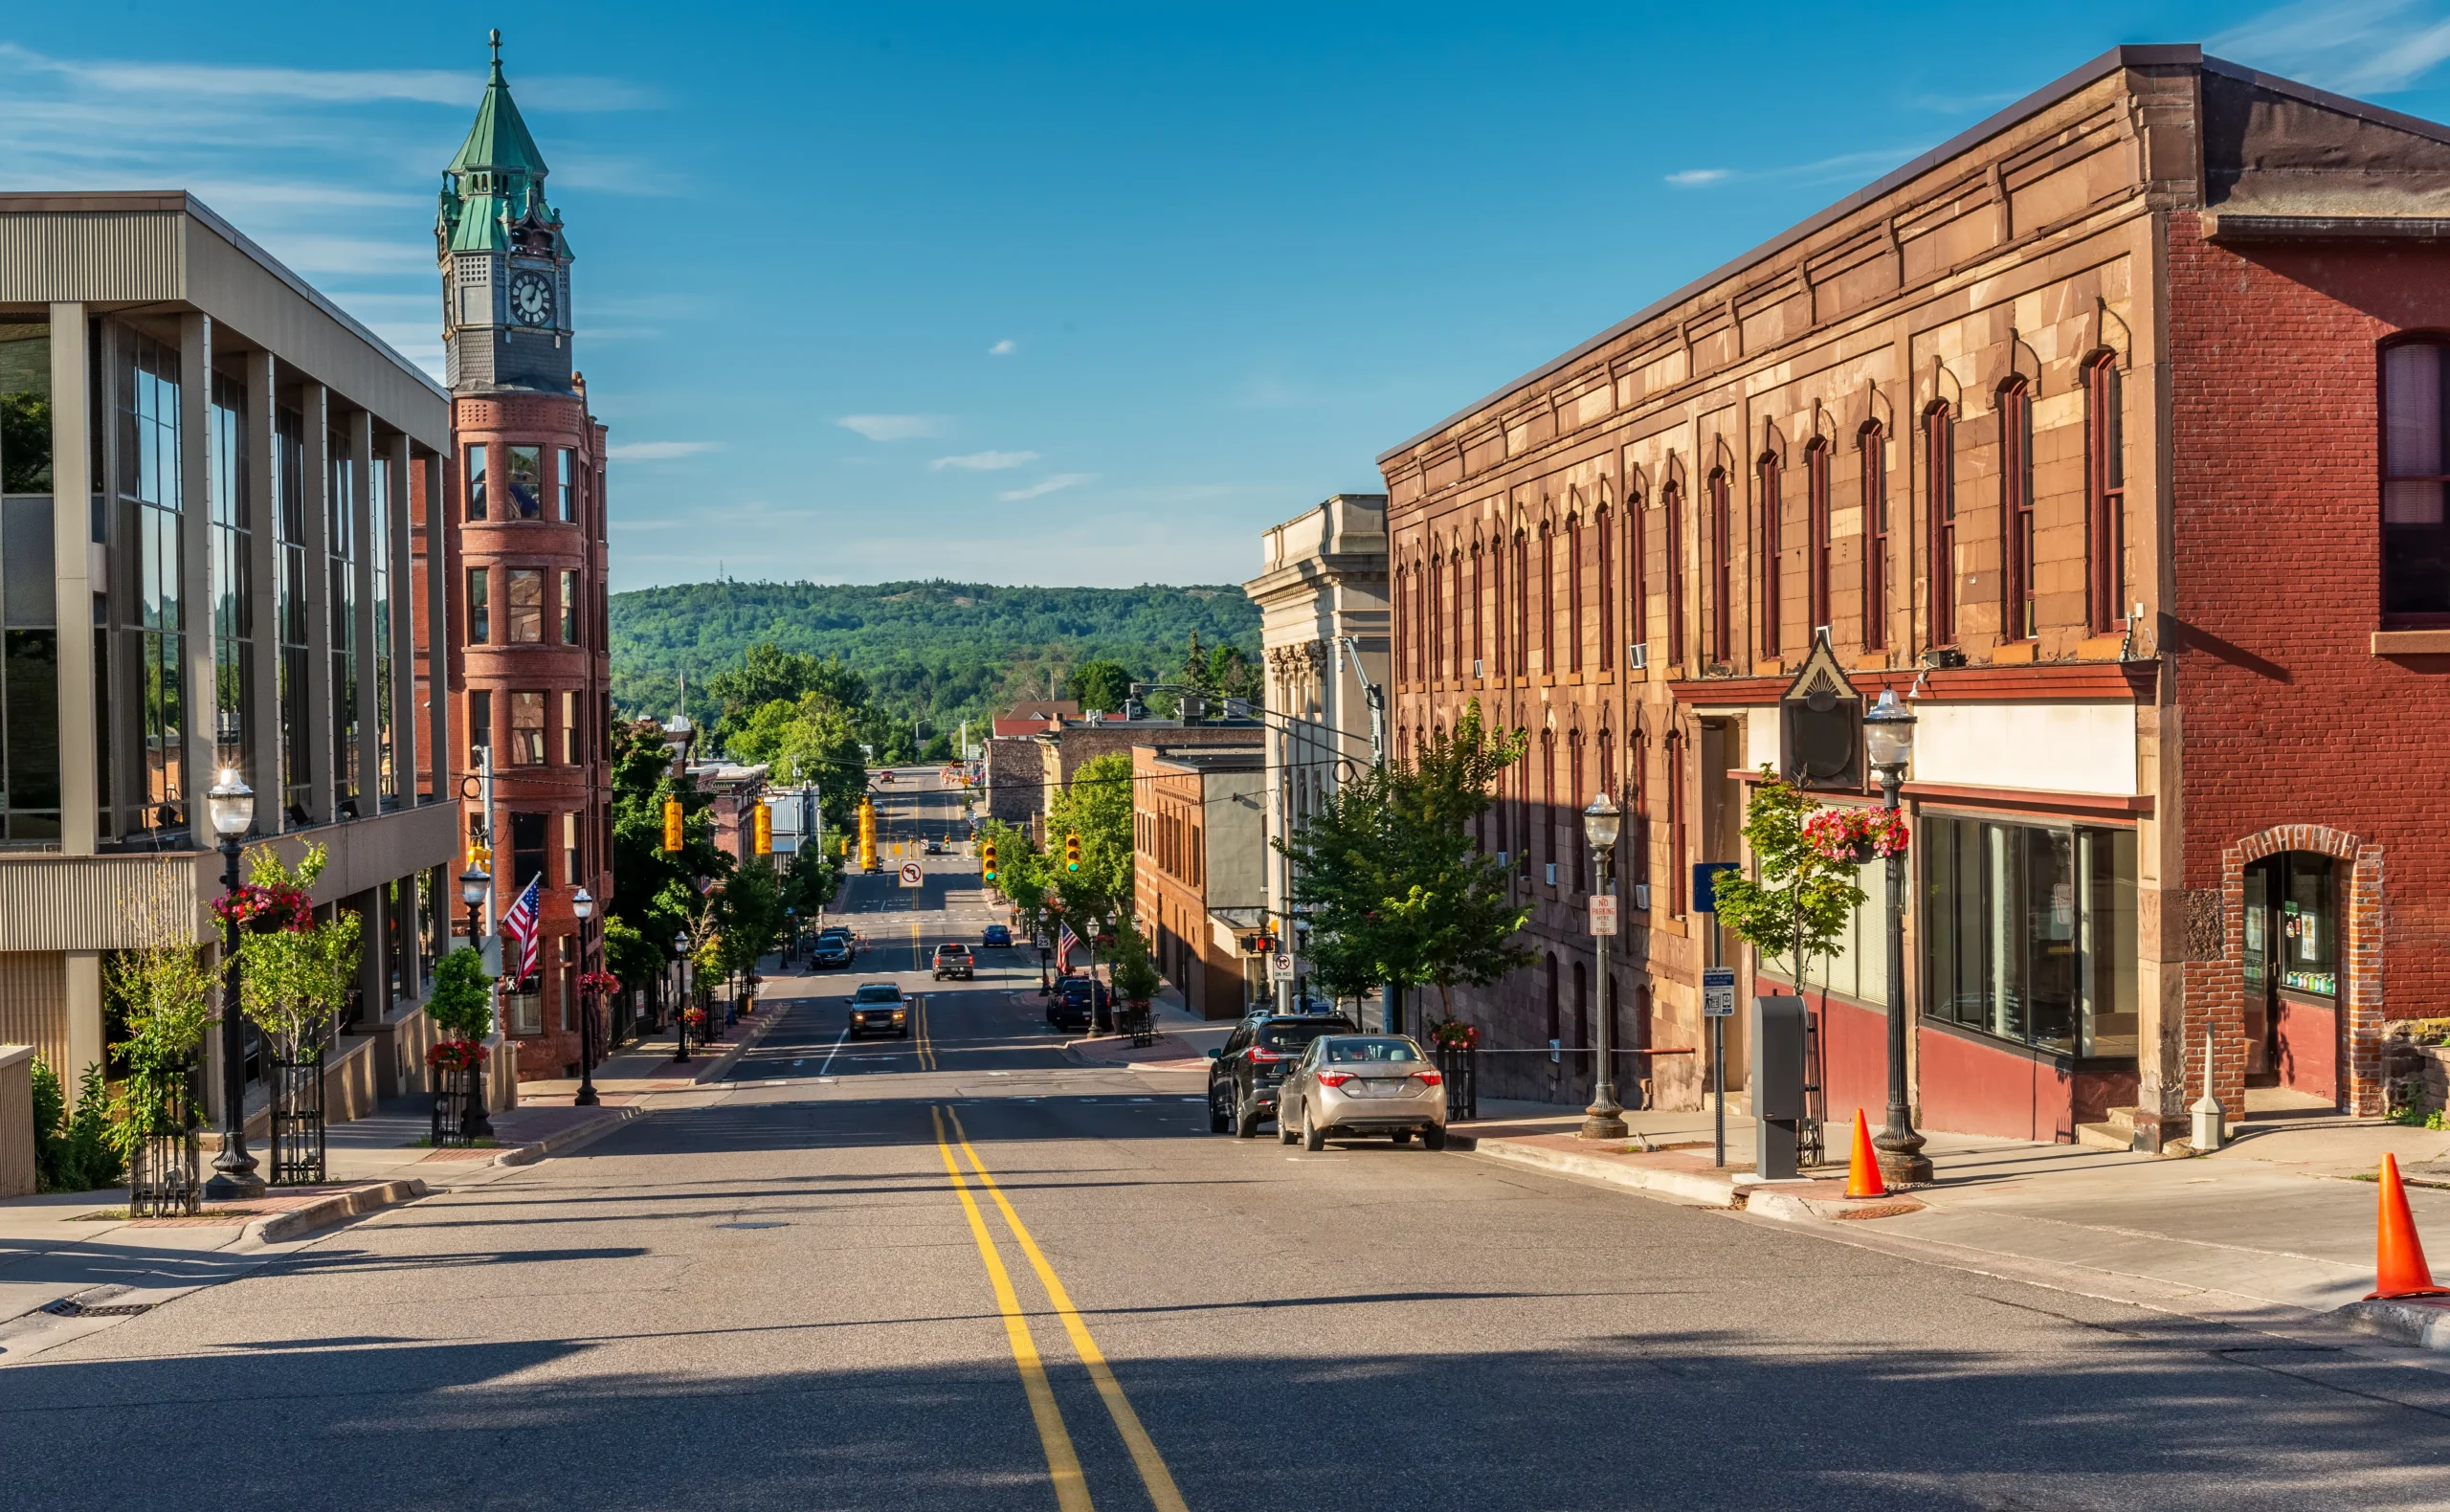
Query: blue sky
[1059,294]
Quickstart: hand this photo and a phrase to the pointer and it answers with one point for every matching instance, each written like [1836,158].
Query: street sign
[1718,991]
[913,875]
[1281,964]
[1706,885]
[1603,914]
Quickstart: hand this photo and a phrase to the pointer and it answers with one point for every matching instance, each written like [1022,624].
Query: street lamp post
[231,808]
[1603,1119]
[1100,1015]
[1889,741]
[475,885]
[583,904]
[680,1015]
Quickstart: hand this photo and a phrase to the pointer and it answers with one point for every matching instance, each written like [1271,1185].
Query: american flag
[1064,944]
[519,925]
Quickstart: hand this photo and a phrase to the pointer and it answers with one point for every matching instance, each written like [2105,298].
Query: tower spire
[495,41]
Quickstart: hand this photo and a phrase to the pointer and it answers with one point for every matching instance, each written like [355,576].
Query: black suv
[1242,1078]
[830,950]
[1068,1006]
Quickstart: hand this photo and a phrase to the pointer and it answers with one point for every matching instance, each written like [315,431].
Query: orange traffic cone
[2398,1258]
[1862,1168]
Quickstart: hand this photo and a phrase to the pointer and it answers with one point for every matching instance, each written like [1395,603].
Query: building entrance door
[2291,975]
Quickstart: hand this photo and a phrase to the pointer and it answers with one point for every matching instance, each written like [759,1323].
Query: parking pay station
[1780,1025]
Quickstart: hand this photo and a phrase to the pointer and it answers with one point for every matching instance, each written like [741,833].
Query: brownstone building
[531,668]
[2109,435]
[1199,872]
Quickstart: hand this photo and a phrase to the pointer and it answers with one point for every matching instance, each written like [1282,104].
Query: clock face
[531,299]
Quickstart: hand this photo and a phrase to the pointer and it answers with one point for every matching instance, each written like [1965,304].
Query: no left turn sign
[912,875]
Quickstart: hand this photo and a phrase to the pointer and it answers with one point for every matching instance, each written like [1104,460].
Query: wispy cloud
[2372,47]
[1846,164]
[894,426]
[1004,349]
[983,461]
[1046,486]
[430,86]
[658,451]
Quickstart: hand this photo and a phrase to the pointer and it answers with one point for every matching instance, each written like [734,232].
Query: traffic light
[481,855]
[672,824]
[765,828]
[988,857]
[1071,852]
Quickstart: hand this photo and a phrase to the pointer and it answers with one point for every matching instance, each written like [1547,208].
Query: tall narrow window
[1673,777]
[1436,609]
[1420,625]
[571,875]
[1772,544]
[1607,595]
[527,606]
[378,553]
[289,609]
[1548,599]
[1816,487]
[1635,846]
[568,484]
[2104,494]
[569,608]
[1673,506]
[476,481]
[1548,820]
[340,537]
[1939,474]
[1479,646]
[481,722]
[1722,567]
[30,620]
[1575,790]
[1872,449]
[2016,619]
[1397,627]
[1458,611]
[525,482]
[569,727]
[233,620]
[1496,609]
[1636,574]
[1573,593]
[527,729]
[481,606]
[1522,605]
[2416,474]
[151,485]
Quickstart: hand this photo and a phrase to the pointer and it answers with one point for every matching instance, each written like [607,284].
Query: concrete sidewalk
[2281,1219]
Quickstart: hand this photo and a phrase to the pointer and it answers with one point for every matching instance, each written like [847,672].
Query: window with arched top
[1722,567]
[1672,506]
[1815,566]
[1871,450]
[1522,605]
[2416,481]
[1606,597]
[2017,618]
[1772,543]
[1478,645]
[1548,599]
[1939,482]
[1574,593]
[1433,609]
[2104,494]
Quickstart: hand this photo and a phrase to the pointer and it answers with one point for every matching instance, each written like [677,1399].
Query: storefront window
[2029,933]
[2308,928]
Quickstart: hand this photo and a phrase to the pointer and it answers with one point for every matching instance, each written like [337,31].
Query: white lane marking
[830,1054]
[778,1083]
[1143,1099]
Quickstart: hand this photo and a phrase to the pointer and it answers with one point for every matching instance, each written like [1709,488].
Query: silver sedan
[1350,1086]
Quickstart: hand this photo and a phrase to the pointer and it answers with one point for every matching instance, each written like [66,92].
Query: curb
[277,1228]
[568,1139]
[730,1056]
[2422,1324]
[1712,1192]
[1789,1208]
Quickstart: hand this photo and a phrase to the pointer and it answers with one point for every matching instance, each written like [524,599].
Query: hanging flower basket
[1455,1034]
[600,982]
[263,910]
[455,1054]
[695,1018]
[1853,836]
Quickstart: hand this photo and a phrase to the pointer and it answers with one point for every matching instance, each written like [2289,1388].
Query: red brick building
[2111,435]
[531,670]
[1199,867]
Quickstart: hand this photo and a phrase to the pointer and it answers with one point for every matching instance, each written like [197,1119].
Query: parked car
[1358,1085]
[879,1006]
[935,847]
[841,932]
[953,961]
[829,951]
[1244,1074]
[1070,1006]
[996,938]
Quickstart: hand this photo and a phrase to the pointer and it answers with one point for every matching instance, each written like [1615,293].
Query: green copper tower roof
[499,141]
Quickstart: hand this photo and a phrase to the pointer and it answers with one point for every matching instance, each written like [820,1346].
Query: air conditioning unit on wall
[1637,656]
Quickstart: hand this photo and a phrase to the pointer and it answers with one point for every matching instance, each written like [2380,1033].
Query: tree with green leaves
[462,1005]
[1020,871]
[294,982]
[1097,806]
[1798,902]
[655,891]
[766,675]
[1101,685]
[1392,881]
[165,996]
[1133,973]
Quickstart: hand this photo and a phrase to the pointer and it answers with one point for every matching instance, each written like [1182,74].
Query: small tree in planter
[164,994]
[462,1010]
[1131,974]
[1802,892]
[295,976]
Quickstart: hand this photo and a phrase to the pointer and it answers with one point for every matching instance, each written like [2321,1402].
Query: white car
[1354,1087]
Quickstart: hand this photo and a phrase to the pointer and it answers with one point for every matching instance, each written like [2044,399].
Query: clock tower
[506,263]
[524,591]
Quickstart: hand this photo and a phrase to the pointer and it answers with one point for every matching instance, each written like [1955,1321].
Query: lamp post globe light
[583,906]
[475,885]
[1888,743]
[1603,1119]
[681,1014]
[231,806]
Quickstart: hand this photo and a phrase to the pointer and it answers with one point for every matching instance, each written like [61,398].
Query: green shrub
[462,1004]
[72,1150]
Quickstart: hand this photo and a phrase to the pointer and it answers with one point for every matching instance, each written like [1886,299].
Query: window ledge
[2412,642]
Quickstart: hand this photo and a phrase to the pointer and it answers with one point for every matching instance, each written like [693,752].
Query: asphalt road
[963,1272]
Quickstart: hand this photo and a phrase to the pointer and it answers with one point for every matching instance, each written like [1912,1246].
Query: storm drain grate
[71,1307]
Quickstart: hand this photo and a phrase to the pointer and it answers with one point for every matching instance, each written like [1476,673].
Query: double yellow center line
[923,1044]
[1063,1465]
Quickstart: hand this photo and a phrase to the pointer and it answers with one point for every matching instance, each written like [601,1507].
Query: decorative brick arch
[2215,972]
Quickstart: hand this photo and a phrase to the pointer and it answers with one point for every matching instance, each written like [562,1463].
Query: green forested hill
[942,651]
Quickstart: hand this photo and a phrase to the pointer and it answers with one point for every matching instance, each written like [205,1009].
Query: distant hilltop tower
[529,637]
